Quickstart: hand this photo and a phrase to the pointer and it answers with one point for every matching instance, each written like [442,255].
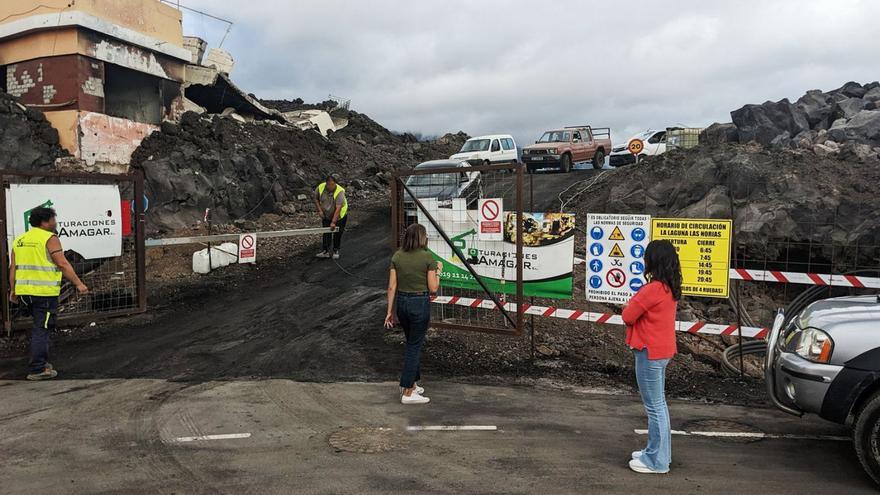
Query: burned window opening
[133,95]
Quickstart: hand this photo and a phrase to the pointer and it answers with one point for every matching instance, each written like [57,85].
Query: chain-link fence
[116,283]
[446,197]
[778,252]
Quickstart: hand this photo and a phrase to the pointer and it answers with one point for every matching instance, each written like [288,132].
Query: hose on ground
[797,305]
[733,353]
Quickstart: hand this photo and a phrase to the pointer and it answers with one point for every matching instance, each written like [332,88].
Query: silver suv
[825,360]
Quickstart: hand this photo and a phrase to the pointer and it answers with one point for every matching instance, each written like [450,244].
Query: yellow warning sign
[704,251]
[616,235]
[616,252]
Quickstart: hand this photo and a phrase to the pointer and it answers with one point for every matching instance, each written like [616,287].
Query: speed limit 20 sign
[636,146]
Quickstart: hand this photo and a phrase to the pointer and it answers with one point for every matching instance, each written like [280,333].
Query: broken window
[134,95]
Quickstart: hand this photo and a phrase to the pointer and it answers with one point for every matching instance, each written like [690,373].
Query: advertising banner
[548,251]
[89,215]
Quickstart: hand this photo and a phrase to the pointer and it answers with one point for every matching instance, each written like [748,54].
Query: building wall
[97,139]
[56,83]
[110,141]
[67,124]
[148,17]
[40,44]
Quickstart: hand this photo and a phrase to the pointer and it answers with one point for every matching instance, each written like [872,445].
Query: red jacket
[650,320]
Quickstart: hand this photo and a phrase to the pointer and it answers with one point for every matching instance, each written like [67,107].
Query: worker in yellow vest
[332,207]
[37,265]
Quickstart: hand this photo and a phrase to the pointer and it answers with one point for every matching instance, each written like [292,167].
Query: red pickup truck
[560,148]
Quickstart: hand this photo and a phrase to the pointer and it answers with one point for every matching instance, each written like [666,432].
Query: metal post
[140,226]
[4,261]
[395,215]
[532,299]
[519,249]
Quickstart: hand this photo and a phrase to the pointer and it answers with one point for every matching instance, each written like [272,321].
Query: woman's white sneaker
[637,466]
[414,398]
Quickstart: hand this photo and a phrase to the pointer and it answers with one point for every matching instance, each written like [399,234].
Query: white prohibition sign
[247,241]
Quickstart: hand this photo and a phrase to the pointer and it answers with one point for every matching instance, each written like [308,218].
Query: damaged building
[105,73]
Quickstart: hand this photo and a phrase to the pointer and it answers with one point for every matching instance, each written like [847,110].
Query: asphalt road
[233,357]
[280,436]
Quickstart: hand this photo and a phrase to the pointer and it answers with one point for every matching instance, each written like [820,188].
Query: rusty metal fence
[779,252]
[117,285]
[455,188]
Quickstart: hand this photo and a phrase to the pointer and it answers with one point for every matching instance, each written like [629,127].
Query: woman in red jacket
[650,333]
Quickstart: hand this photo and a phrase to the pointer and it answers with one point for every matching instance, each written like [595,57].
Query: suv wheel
[565,167]
[598,160]
[866,437]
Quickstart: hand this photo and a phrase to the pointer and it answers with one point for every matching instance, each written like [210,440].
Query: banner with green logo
[548,252]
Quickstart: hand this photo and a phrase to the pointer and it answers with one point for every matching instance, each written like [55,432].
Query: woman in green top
[414,275]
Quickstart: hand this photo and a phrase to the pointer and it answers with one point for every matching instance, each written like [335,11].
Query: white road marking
[225,436]
[452,428]
[735,434]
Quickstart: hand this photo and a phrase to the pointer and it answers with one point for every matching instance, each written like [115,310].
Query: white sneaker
[336,255]
[637,466]
[637,454]
[323,254]
[419,390]
[414,398]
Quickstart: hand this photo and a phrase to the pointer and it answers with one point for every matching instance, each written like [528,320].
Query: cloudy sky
[521,66]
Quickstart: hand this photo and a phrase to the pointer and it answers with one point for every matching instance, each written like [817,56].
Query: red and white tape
[701,327]
[805,278]
[838,280]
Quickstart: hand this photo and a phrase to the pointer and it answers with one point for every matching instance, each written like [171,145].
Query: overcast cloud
[521,66]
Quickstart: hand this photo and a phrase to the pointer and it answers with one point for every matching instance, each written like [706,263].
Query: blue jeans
[651,376]
[414,314]
[43,311]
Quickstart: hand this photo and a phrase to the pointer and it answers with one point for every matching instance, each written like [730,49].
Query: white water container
[223,255]
[229,252]
[200,262]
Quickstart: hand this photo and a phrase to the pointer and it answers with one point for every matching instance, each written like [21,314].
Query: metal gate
[117,285]
[440,195]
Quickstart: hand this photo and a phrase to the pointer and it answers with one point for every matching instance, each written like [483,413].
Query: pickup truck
[560,148]
[825,359]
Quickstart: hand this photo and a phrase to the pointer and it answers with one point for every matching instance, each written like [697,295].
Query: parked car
[443,186]
[654,144]
[560,148]
[488,150]
[825,360]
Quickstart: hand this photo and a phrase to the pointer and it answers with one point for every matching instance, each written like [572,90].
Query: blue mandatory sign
[637,267]
[596,266]
[636,284]
[595,281]
[637,251]
[596,249]
[638,234]
[597,233]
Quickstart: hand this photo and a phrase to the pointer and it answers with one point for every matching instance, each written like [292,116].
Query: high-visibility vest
[35,273]
[339,190]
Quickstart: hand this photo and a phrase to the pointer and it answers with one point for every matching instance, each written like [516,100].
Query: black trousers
[334,240]
[43,310]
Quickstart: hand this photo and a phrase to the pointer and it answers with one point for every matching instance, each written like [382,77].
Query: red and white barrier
[701,327]
[805,278]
